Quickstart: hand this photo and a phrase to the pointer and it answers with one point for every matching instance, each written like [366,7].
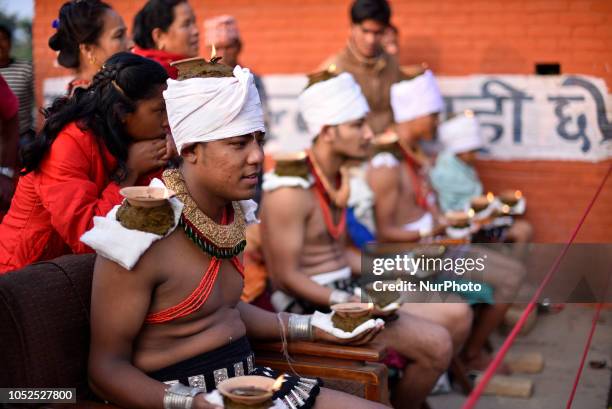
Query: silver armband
[179,396]
[8,172]
[300,328]
[339,297]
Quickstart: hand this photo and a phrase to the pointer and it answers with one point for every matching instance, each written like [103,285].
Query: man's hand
[200,403]
[361,339]
[378,312]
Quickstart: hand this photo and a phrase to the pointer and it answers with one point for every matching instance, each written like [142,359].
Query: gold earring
[92,60]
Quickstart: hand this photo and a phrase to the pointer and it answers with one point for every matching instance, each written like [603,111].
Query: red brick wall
[454,38]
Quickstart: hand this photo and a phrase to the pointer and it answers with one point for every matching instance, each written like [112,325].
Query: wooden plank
[509,386]
[528,363]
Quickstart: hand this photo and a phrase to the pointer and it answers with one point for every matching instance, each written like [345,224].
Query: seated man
[166,307]
[456,181]
[303,237]
[405,207]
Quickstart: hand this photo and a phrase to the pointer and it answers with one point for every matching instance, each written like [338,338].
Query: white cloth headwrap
[420,96]
[332,102]
[461,134]
[209,109]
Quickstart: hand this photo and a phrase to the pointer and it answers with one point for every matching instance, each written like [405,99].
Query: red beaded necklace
[324,199]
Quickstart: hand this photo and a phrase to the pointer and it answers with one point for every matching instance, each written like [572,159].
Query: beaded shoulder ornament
[223,241]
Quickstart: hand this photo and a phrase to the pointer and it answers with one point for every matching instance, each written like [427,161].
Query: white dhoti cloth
[285,302]
[426,222]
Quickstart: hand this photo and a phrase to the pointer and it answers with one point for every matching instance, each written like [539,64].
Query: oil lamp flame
[213,53]
[490,197]
[518,194]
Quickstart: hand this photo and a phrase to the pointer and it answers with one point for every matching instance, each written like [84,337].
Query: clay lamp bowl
[146,196]
[350,315]
[457,219]
[510,197]
[291,164]
[480,203]
[254,391]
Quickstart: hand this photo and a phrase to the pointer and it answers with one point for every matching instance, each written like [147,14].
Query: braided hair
[124,80]
[80,22]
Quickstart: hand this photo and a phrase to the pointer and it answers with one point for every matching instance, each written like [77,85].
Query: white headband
[332,102]
[461,134]
[209,109]
[420,96]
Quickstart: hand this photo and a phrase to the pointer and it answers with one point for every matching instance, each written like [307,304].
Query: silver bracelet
[8,172]
[300,327]
[339,297]
[179,396]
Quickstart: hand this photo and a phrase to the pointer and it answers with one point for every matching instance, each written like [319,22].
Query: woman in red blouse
[104,137]
[166,31]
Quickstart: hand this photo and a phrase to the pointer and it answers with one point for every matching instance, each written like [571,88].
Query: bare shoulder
[383,177]
[287,201]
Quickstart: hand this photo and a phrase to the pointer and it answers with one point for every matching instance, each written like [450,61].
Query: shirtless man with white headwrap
[405,208]
[167,324]
[303,231]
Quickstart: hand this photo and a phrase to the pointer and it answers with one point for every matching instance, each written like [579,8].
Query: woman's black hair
[377,10]
[154,14]
[79,22]
[124,80]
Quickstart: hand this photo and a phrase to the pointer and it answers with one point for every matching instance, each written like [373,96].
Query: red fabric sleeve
[73,188]
[9,104]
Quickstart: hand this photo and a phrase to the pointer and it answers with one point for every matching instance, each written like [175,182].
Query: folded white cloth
[426,222]
[324,322]
[461,134]
[216,398]
[249,208]
[209,109]
[384,159]
[458,232]
[125,246]
[332,102]
[343,273]
[272,181]
[419,96]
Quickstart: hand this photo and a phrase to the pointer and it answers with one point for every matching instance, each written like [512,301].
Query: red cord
[584,356]
[490,371]
[587,346]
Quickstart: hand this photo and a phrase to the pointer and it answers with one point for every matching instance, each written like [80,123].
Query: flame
[490,197]
[506,209]
[471,213]
[331,68]
[518,194]
[277,383]
[213,53]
